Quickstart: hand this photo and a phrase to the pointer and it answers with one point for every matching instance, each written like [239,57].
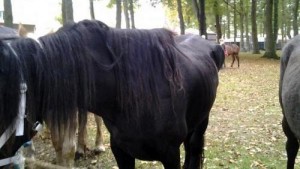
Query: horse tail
[218,56]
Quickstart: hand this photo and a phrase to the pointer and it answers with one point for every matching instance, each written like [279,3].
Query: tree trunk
[218,19]
[269,43]
[92,12]
[202,19]
[118,13]
[283,22]
[295,17]
[247,43]
[254,28]
[234,21]
[180,17]
[131,14]
[126,13]
[228,20]
[242,44]
[8,16]
[275,33]
[67,11]
[197,12]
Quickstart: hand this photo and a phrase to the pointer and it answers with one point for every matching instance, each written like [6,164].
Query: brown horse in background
[233,50]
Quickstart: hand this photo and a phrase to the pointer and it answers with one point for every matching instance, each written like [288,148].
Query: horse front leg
[99,137]
[292,144]
[124,160]
[171,160]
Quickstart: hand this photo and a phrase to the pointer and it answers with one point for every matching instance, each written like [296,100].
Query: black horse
[152,93]
[289,88]
[196,44]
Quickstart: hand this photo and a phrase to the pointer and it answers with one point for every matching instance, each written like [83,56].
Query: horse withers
[152,93]
[289,91]
[233,51]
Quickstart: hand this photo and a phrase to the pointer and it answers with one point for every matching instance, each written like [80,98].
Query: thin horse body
[289,88]
[152,93]
[233,51]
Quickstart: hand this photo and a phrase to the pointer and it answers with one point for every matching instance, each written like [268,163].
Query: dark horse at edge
[152,93]
[289,91]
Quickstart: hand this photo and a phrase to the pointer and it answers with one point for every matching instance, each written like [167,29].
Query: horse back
[197,47]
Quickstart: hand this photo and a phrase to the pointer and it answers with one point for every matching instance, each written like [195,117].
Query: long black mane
[60,74]
[147,58]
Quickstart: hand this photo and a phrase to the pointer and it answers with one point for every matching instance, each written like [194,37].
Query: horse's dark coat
[152,93]
[289,92]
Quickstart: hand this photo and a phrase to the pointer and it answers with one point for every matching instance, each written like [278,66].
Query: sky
[42,13]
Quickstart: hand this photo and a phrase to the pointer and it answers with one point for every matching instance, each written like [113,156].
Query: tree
[67,11]
[199,7]
[295,17]
[180,16]
[92,11]
[218,18]
[269,43]
[131,9]
[8,16]
[126,13]
[254,28]
[242,20]
[118,13]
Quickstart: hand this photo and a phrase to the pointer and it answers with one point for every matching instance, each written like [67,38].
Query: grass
[245,123]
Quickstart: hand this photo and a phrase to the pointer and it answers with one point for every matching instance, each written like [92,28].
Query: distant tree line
[246,19]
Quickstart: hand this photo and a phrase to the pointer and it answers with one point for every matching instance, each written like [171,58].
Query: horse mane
[66,57]
[147,58]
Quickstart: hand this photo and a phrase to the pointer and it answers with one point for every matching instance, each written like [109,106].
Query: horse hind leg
[99,143]
[238,59]
[64,145]
[292,145]
[124,160]
[194,147]
[233,59]
[82,135]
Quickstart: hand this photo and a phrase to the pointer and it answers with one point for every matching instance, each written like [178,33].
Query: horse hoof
[99,149]
[78,155]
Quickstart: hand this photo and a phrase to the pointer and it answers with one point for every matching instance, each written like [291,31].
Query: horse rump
[289,91]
